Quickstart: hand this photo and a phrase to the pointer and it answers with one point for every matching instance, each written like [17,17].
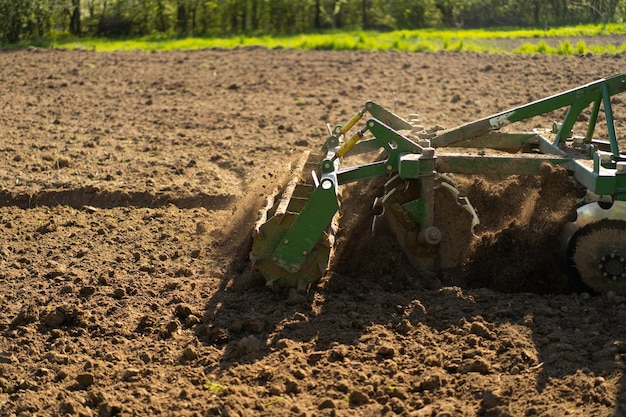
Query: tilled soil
[129,188]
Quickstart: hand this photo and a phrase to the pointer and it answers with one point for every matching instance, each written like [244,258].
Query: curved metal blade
[590,244]
[598,253]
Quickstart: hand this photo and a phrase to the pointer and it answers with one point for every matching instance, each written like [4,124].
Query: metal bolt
[286,241]
[605,157]
[305,253]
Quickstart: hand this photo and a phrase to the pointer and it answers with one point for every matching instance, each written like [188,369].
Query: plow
[293,238]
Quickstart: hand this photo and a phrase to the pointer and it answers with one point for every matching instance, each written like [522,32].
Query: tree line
[36,19]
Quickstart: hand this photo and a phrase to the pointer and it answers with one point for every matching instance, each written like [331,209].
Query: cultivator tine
[449,184]
[378,206]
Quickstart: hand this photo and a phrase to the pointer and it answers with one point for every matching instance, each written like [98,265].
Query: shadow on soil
[370,288]
[91,196]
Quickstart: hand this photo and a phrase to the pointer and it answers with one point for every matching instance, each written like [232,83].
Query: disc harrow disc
[598,253]
[453,226]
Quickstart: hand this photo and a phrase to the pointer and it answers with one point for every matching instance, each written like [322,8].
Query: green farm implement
[293,238]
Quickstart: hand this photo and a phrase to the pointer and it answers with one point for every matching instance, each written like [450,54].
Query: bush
[115,26]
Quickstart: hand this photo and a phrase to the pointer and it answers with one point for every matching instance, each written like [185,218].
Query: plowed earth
[129,187]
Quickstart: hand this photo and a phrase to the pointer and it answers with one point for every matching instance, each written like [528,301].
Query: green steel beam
[361,172]
[581,97]
[307,229]
[608,109]
[503,141]
[388,118]
[497,164]
[593,118]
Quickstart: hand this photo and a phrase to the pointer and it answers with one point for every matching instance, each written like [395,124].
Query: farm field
[128,191]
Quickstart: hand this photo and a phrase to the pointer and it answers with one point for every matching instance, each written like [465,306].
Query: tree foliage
[31,19]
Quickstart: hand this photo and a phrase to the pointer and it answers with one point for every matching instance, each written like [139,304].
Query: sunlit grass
[478,40]
[566,48]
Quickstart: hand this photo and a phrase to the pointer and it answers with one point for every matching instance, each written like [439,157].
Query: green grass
[566,48]
[478,40]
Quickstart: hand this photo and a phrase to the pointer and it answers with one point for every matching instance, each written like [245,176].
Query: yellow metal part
[354,139]
[349,144]
[352,122]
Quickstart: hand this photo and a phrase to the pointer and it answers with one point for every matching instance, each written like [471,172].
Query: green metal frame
[307,229]
[599,166]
